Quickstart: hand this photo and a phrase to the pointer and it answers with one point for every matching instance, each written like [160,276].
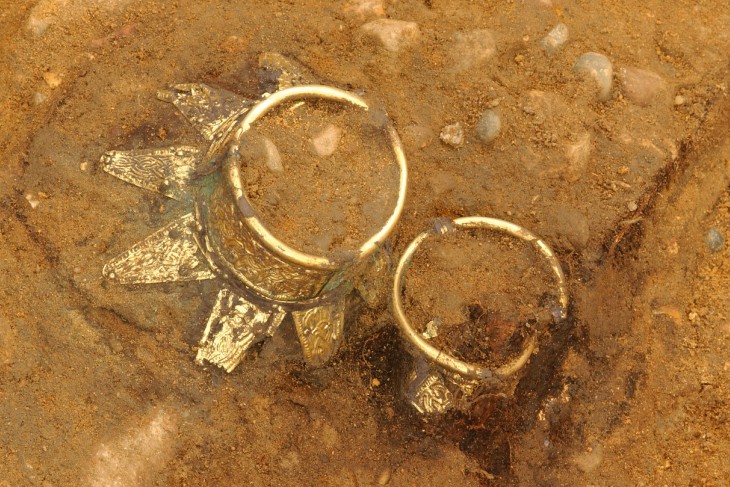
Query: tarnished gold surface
[170,254]
[320,330]
[233,326]
[456,374]
[166,171]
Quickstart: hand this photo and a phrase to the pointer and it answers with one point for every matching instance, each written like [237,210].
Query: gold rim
[233,175]
[439,356]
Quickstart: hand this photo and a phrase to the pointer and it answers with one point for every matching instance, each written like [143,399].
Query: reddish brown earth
[97,381]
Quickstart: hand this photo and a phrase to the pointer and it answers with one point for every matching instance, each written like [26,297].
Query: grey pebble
[488,126]
[714,239]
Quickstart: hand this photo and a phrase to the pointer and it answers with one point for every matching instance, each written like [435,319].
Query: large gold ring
[252,221]
[237,234]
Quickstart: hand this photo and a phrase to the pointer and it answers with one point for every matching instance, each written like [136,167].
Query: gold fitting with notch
[439,378]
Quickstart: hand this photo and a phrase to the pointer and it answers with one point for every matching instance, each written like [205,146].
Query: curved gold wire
[233,175]
[439,356]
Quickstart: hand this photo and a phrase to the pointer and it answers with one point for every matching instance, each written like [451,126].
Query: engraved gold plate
[262,279]
[233,326]
[168,255]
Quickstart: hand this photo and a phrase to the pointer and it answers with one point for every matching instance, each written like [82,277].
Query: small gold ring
[233,175]
[439,356]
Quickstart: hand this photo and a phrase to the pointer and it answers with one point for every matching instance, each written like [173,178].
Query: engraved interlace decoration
[262,279]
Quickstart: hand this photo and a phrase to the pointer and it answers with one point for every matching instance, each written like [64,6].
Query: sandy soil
[97,381]
[337,179]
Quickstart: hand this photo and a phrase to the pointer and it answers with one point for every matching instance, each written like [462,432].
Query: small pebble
[83,166]
[714,239]
[39,98]
[640,86]
[325,143]
[290,460]
[679,100]
[272,198]
[488,126]
[471,49]
[393,35]
[452,135]
[384,477]
[32,200]
[364,9]
[53,80]
[591,460]
[632,206]
[555,39]
[418,136]
[38,26]
[579,152]
[322,242]
[273,158]
[599,68]
[116,345]
[571,227]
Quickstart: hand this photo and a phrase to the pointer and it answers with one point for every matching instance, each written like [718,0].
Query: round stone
[555,39]
[599,68]
[714,239]
[488,126]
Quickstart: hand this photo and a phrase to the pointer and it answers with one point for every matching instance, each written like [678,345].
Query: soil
[321,203]
[486,291]
[98,385]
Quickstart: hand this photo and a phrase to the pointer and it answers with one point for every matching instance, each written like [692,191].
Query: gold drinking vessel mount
[262,278]
[439,378]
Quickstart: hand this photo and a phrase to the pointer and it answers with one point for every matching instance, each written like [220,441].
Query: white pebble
[471,49]
[39,98]
[452,135]
[579,152]
[599,68]
[555,39]
[679,100]
[365,8]
[32,200]
[38,26]
[488,126]
[393,35]
[325,143]
[640,86]
[273,158]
